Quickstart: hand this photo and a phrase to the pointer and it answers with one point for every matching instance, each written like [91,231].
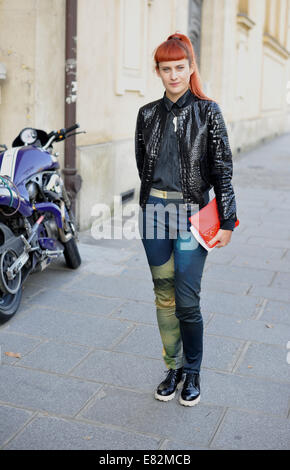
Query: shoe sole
[168,397]
[189,402]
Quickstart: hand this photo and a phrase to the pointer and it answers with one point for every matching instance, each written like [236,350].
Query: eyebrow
[168,66]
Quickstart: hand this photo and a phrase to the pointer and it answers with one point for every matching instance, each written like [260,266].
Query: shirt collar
[180,102]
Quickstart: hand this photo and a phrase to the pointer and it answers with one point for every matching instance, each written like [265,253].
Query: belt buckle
[164,194]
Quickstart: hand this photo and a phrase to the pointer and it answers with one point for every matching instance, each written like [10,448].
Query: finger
[213,240]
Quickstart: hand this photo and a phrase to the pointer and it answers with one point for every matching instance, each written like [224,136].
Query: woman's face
[175,77]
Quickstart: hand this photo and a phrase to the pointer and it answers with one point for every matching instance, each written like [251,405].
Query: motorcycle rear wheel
[9,304]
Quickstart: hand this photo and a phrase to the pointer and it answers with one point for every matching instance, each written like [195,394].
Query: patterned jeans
[176,261]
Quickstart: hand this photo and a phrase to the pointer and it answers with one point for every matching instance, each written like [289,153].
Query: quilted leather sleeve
[221,167]
[139,144]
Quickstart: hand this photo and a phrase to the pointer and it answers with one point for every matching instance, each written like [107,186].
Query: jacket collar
[181,102]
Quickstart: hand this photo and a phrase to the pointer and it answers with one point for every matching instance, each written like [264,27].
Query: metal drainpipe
[71,179]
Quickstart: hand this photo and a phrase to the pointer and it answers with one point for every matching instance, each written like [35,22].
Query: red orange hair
[177,47]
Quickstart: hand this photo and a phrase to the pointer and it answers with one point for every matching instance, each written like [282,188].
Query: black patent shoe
[190,393]
[166,390]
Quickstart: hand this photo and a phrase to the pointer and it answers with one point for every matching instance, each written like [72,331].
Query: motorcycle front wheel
[71,254]
[9,304]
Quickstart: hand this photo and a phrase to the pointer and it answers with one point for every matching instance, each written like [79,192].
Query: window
[131,45]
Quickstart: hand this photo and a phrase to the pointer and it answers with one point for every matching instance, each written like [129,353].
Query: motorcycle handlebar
[72,128]
[57,136]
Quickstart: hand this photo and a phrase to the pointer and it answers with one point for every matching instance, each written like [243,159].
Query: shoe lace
[170,371]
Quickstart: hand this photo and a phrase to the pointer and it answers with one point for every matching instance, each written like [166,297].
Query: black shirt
[166,173]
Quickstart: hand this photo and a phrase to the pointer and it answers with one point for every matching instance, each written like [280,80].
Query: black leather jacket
[205,154]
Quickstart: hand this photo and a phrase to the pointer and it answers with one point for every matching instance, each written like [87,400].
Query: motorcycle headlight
[28,136]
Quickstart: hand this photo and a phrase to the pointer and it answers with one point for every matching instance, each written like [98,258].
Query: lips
[174,84]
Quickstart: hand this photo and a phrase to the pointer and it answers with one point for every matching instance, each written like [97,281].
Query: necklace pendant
[175,123]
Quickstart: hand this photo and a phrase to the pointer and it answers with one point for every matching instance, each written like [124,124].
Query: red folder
[205,224]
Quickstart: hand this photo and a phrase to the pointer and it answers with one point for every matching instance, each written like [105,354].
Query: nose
[173,75]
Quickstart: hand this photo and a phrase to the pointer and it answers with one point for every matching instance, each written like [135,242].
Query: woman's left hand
[223,236]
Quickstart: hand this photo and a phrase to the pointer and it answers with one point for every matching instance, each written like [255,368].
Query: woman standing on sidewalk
[182,151]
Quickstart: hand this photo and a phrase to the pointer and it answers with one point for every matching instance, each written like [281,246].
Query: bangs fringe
[170,50]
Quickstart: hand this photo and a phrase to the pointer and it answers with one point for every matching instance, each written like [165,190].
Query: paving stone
[266,253]
[104,261]
[245,201]
[11,420]
[74,328]
[248,393]
[262,263]
[76,302]
[250,194]
[109,254]
[30,290]
[263,177]
[266,360]
[137,273]
[240,236]
[137,290]
[220,353]
[178,445]
[117,244]
[98,259]
[144,340]
[139,260]
[230,304]
[277,215]
[271,242]
[136,312]
[248,330]
[43,391]
[276,312]
[104,269]
[220,285]
[142,412]
[53,433]
[51,277]
[287,257]
[258,277]
[17,343]
[124,370]
[282,281]
[220,256]
[52,356]
[273,293]
[270,231]
[252,431]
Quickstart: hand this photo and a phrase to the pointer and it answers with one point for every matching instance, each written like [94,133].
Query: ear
[158,72]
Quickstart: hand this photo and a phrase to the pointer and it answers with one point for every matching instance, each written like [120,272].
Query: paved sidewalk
[91,352]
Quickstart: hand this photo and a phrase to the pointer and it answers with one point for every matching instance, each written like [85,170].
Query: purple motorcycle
[36,219]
